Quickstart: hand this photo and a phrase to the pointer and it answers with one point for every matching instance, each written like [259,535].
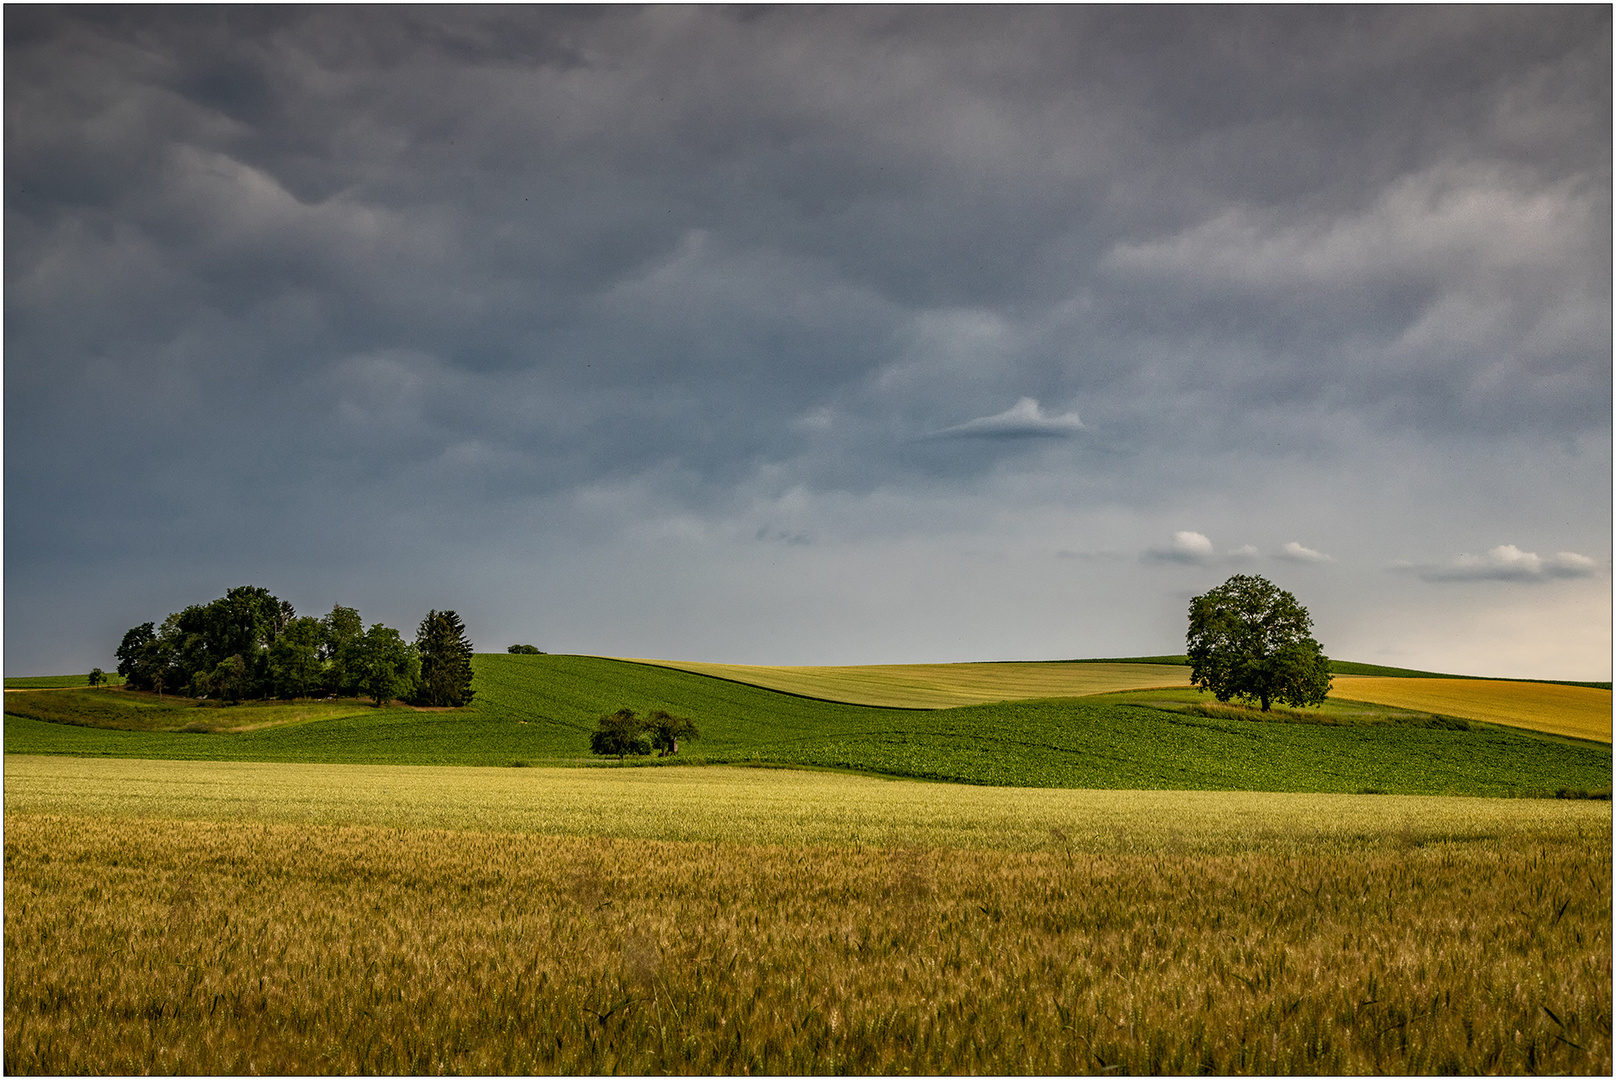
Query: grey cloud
[1509,563]
[267,268]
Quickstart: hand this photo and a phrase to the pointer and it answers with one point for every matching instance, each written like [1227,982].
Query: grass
[129,711]
[538,710]
[56,682]
[250,918]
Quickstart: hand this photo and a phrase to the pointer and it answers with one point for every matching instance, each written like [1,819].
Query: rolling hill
[534,710]
[1579,711]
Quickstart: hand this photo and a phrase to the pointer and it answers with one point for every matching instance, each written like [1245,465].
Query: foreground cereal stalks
[137,946]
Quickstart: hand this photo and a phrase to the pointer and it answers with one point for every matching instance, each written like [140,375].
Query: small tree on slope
[620,733]
[1250,639]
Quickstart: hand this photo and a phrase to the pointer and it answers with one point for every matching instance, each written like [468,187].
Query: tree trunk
[1265,703]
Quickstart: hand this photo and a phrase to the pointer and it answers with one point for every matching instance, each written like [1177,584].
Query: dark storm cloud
[274,271]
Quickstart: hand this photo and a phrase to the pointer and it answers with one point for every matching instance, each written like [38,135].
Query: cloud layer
[358,303]
[1509,563]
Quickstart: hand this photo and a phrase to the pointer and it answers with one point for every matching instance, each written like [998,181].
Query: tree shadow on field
[641,955]
[586,884]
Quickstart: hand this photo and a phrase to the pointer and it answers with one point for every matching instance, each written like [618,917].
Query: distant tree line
[249,645]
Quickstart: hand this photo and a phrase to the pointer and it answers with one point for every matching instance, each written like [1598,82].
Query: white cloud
[1189,548]
[1507,562]
[1023,420]
[1295,552]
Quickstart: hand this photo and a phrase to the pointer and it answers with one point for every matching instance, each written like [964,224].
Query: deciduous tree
[620,733]
[666,731]
[389,665]
[342,635]
[294,659]
[1250,639]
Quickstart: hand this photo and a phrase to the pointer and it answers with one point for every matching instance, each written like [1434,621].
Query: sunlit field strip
[774,806]
[656,922]
[1579,711]
[942,686]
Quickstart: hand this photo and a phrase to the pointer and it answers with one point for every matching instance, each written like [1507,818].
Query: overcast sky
[814,335]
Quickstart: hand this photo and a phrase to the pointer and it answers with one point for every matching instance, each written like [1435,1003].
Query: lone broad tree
[1250,639]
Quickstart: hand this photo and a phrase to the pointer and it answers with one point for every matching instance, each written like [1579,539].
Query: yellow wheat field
[942,686]
[309,920]
[717,804]
[1579,711]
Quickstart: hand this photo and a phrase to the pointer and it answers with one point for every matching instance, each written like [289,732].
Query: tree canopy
[624,732]
[666,731]
[250,644]
[620,734]
[1250,639]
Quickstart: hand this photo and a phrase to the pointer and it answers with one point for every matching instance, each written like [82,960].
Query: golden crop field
[210,918]
[1579,711]
[942,686]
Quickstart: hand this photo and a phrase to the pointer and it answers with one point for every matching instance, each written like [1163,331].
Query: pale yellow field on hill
[1579,711]
[942,686]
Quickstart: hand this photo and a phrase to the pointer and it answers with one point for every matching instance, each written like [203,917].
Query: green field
[533,710]
[56,682]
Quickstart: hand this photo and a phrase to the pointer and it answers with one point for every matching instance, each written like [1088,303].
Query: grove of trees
[1250,639]
[249,644]
[623,733]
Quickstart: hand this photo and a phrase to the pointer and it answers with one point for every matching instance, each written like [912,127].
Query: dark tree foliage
[620,734]
[666,731]
[524,650]
[136,657]
[294,659]
[230,680]
[341,642]
[390,666]
[1250,639]
[445,660]
[97,676]
[251,644]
